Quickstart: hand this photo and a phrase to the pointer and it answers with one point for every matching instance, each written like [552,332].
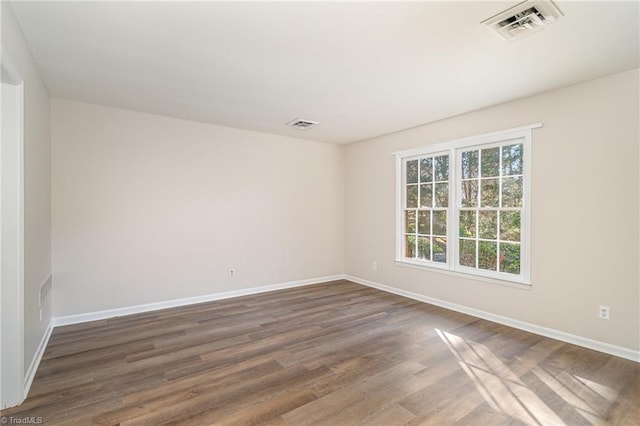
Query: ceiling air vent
[302,124]
[524,18]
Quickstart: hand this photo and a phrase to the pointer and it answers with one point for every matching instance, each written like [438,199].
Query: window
[463,206]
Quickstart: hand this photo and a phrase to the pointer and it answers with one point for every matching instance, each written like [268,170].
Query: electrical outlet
[374,266]
[232,273]
[604,312]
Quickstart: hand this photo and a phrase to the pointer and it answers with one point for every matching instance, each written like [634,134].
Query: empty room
[327,213]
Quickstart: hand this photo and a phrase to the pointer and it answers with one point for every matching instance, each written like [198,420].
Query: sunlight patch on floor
[500,387]
[604,391]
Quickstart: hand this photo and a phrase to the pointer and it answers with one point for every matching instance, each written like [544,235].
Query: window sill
[522,285]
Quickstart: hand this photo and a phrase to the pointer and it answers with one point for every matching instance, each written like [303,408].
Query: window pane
[410,246]
[469,164]
[410,221]
[469,193]
[488,225]
[468,223]
[490,162]
[512,159]
[426,169]
[442,195]
[439,222]
[412,196]
[426,195]
[441,166]
[424,248]
[512,192]
[489,193]
[510,226]
[440,250]
[487,258]
[412,171]
[468,253]
[424,222]
[510,258]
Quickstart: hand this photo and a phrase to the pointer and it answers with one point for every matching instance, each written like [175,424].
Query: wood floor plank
[346,405]
[388,415]
[259,395]
[269,410]
[333,354]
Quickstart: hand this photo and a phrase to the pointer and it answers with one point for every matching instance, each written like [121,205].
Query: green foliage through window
[425,208]
[497,216]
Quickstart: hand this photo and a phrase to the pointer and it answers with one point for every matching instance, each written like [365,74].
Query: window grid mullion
[500,180]
[433,202]
[478,198]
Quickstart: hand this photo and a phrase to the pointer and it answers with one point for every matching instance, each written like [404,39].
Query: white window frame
[454,149]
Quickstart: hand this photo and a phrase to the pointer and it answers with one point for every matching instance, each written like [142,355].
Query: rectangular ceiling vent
[302,124]
[523,19]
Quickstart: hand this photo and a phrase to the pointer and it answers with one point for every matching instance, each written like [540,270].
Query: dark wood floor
[333,354]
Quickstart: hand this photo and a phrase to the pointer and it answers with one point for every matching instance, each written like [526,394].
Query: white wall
[37,182]
[148,208]
[585,211]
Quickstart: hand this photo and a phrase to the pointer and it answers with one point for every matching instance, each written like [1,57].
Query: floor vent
[302,124]
[523,19]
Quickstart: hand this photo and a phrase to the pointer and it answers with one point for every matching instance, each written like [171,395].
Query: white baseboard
[111,313]
[37,357]
[533,328]
[607,348]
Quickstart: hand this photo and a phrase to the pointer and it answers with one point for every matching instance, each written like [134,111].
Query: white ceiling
[362,69]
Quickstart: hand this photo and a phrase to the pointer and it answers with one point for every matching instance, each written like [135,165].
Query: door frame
[12,386]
